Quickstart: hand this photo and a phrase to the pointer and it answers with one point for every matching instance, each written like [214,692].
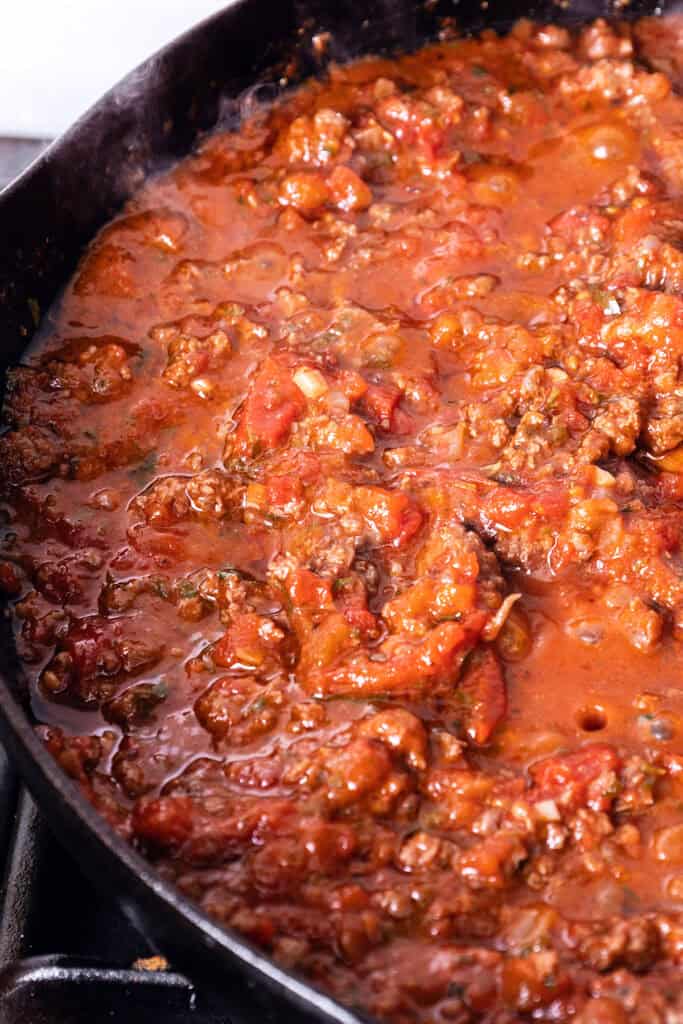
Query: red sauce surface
[343,499]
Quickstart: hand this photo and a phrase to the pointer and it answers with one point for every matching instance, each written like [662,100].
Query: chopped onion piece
[311,382]
[494,625]
[338,402]
[548,810]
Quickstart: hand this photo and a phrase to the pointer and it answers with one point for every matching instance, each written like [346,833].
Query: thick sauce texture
[344,501]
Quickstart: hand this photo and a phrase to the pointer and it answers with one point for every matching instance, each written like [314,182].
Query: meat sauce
[343,499]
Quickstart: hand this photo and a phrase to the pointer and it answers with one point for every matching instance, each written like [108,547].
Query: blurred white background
[58,56]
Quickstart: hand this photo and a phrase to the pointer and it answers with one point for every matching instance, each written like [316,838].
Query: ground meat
[620,423]
[634,944]
[664,428]
[28,454]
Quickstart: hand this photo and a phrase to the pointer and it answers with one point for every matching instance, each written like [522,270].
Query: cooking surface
[343,501]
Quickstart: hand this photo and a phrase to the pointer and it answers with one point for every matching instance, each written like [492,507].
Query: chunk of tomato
[585,777]
[483,692]
[273,404]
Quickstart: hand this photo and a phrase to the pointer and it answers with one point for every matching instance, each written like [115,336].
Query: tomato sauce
[342,499]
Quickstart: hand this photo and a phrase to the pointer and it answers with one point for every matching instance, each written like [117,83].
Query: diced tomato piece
[382,404]
[283,492]
[393,516]
[467,564]
[551,502]
[222,652]
[410,521]
[380,400]
[430,600]
[587,776]
[246,645]
[273,404]
[324,644]
[307,590]
[507,508]
[483,691]
[408,668]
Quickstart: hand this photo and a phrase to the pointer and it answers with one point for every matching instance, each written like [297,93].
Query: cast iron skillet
[47,216]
